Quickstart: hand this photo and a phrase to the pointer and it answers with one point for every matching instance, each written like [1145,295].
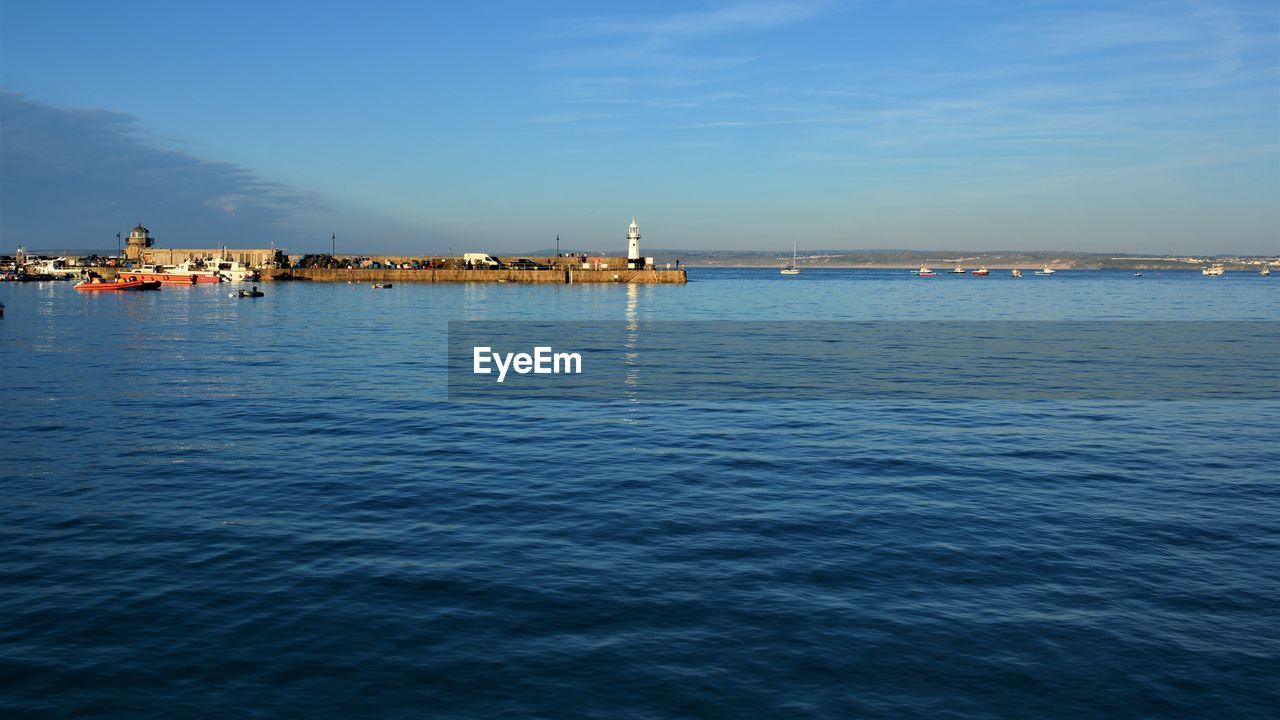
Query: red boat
[123,282]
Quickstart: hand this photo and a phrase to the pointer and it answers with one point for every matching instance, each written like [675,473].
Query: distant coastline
[890,259]
[1000,260]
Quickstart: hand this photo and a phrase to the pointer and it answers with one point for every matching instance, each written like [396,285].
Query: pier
[562,276]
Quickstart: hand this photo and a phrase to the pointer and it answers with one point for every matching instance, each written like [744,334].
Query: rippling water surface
[236,508]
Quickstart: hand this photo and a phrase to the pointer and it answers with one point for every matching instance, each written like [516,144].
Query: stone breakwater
[430,275]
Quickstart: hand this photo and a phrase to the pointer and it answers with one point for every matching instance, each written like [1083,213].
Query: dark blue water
[234,508]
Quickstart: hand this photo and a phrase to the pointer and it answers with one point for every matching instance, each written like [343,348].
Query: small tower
[139,240]
[633,246]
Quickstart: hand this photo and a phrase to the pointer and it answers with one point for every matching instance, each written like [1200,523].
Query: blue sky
[407,126]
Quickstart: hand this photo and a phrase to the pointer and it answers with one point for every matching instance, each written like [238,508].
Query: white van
[481,260]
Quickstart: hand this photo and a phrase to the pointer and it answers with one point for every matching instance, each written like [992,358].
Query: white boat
[56,268]
[230,270]
[1046,271]
[1265,271]
[958,271]
[1016,273]
[791,269]
[1213,270]
[924,272]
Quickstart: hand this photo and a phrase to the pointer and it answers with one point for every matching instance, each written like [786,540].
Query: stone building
[140,250]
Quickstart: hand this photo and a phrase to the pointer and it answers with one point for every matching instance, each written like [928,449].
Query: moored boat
[924,272]
[121,283]
[1046,271]
[958,271]
[184,274]
[54,269]
[1016,273]
[1213,270]
[232,270]
[981,271]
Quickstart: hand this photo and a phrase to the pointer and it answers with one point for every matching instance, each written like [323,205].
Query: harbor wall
[434,275]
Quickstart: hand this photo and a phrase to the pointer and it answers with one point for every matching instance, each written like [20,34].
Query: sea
[273,507]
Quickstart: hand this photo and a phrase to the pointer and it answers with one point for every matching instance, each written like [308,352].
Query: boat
[381,286]
[957,271]
[173,276]
[1046,271]
[924,272]
[1265,271]
[121,283]
[205,270]
[188,273]
[981,271]
[1,309]
[1213,270]
[254,293]
[232,270]
[791,269]
[1137,274]
[1016,273]
[55,269]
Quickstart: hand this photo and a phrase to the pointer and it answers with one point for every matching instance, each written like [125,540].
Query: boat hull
[119,286]
[174,278]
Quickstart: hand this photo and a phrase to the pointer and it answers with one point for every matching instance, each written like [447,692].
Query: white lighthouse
[633,246]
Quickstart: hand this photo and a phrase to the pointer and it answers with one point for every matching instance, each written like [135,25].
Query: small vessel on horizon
[924,272]
[981,271]
[1046,271]
[1016,273]
[1265,271]
[1213,270]
[791,269]
[957,271]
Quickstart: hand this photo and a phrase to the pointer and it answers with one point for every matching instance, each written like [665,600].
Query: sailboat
[791,269]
